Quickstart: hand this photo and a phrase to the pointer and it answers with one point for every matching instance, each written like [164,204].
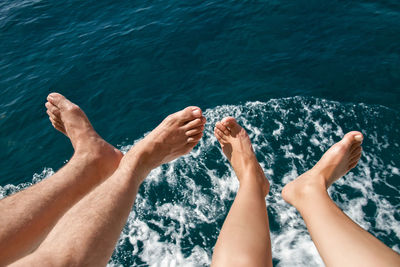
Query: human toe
[56,99]
[52,109]
[195,123]
[353,164]
[230,123]
[356,154]
[57,124]
[222,128]
[217,134]
[221,137]
[195,131]
[53,116]
[359,137]
[188,114]
[352,137]
[356,150]
[195,138]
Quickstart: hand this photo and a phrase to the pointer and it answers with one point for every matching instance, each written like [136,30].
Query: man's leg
[29,215]
[339,240]
[244,239]
[86,235]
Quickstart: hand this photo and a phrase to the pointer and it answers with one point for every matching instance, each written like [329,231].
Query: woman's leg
[86,235]
[339,240]
[29,215]
[244,239]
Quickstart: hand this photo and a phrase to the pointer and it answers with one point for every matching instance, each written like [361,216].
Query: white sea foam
[181,206]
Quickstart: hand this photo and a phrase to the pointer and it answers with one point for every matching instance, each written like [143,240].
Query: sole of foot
[335,163]
[69,119]
[175,136]
[236,146]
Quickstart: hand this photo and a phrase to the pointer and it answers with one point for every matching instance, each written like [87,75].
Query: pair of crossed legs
[75,217]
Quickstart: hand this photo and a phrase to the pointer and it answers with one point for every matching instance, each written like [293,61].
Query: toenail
[358,137]
[196,112]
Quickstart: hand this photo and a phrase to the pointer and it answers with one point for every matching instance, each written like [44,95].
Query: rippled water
[296,74]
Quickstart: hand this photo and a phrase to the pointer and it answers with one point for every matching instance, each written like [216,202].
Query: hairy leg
[29,215]
[86,235]
[339,240]
[244,239]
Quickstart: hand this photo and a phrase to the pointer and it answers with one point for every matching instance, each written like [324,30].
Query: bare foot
[336,162]
[236,145]
[69,119]
[176,135]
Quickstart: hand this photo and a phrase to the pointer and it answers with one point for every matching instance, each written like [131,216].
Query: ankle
[87,157]
[304,189]
[84,140]
[137,163]
[99,156]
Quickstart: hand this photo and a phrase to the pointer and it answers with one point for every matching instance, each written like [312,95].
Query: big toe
[58,100]
[352,137]
[188,114]
[232,124]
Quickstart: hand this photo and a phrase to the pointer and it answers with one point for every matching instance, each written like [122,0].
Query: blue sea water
[296,74]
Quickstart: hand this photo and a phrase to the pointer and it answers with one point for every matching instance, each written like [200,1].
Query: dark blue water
[298,74]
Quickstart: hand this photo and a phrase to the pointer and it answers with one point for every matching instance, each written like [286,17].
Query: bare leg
[31,214]
[86,235]
[339,240]
[244,239]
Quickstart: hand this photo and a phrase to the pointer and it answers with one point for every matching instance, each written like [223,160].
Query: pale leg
[244,239]
[86,235]
[28,216]
[339,240]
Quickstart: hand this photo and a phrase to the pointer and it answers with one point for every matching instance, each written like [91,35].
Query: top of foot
[69,119]
[175,136]
[340,158]
[236,145]
[335,163]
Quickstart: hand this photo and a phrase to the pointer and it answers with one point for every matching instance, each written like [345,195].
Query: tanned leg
[339,240]
[244,239]
[86,235]
[28,216]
